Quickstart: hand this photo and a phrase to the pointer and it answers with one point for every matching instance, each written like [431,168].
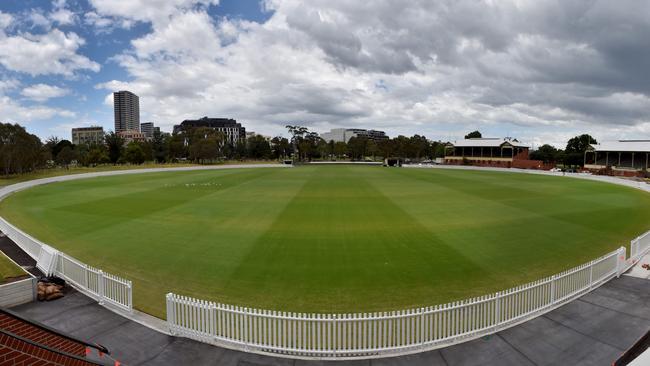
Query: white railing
[28,244]
[639,247]
[105,287]
[373,334]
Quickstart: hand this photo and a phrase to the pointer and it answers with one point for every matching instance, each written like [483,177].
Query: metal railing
[383,333]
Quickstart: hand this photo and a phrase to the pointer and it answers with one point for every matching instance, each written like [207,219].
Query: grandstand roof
[623,145]
[486,142]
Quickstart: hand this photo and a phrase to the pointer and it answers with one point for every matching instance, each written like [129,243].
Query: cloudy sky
[541,71]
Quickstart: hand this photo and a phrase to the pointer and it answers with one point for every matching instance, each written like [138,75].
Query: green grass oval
[329,238]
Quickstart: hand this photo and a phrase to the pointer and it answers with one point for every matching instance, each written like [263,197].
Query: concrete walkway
[593,330]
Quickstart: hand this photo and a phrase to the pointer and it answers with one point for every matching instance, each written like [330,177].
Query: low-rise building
[498,152]
[132,135]
[345,134]
[88,135]
[229,127]
[622,157]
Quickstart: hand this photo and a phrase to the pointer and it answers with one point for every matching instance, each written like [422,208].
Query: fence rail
[105,287]
[383,333]
[639,247]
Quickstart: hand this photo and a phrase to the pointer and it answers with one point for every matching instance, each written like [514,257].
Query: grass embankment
[9,269]
[330,238]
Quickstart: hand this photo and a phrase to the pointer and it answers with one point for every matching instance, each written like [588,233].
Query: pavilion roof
[623,145]
[486,142]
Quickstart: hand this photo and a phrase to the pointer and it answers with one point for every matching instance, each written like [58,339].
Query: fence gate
[46,259]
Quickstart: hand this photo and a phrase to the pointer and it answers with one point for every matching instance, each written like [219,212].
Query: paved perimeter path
[592,330]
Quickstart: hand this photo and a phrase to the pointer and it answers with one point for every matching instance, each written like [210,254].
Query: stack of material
[49,290]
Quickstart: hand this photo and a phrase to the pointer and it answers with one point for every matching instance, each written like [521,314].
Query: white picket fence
[640,247]
[383,333]
[105,287]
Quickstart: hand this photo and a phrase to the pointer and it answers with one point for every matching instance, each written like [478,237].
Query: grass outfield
[329,238]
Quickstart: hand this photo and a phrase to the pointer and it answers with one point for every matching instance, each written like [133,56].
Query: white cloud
[154,11]
[63,16]
[5,20]
[54,52]
[43,92]
[39,19]
[105,24]
[14,112]
[8,85]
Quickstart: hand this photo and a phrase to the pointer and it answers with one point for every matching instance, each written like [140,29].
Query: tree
[474,135]
[114,145]
[357,147]
[281,147]
[297,135]
[203,151]
[340,149]
[258,147]
[419,147]
[134,154]
[60,146]
[401,146]
[372,149]
[204,144]
[240,149]
[545,153]
[575,149]
[50,145]
[159,146]
[579,144]
[97,155]
[66,156]
[20,151]
[177,147]
[386,148]
[438,149]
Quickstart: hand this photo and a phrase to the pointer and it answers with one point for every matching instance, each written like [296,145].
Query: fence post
[620,261]
[100,286]
[422,327]
[591,274]
[497,309]
[634,250]
[170,313]
[335,333]
[245,330]
[129,294]
[553,290]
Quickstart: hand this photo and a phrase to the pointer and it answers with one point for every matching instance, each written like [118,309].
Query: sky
[539,71]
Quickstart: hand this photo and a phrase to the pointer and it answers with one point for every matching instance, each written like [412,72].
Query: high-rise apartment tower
[127,111]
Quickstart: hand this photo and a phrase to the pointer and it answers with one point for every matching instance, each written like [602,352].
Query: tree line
[309,146]
[572,155]
[21,152]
